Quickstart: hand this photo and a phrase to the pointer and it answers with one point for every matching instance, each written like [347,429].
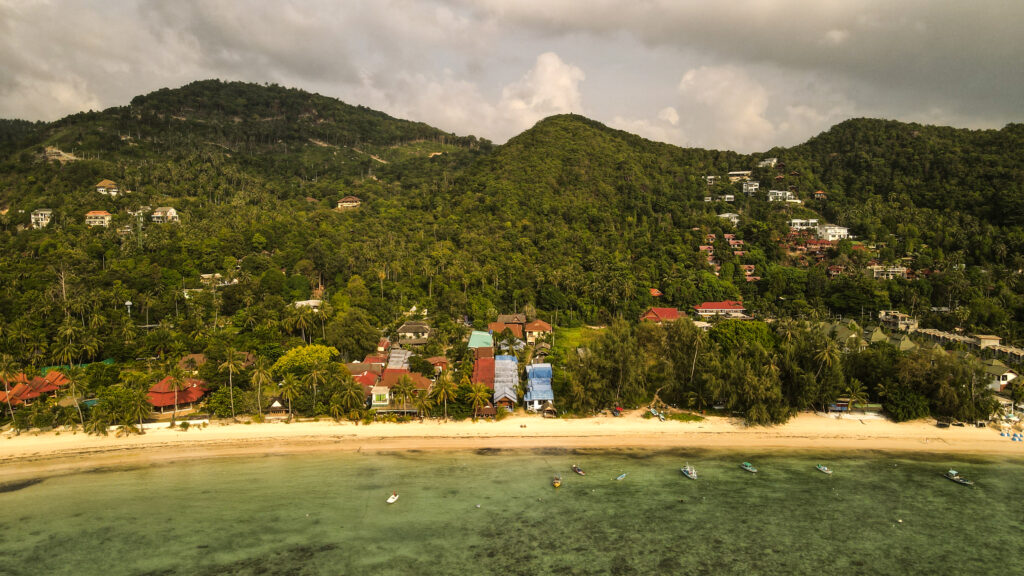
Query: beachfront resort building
[506,381]
[538,387]
[23,391]
[163,397]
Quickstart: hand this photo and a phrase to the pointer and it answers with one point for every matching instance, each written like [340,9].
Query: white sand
[36,454]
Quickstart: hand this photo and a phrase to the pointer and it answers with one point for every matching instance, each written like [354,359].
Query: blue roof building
[538,387]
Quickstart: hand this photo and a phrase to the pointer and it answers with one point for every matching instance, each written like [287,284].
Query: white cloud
[550,87]
[669,114]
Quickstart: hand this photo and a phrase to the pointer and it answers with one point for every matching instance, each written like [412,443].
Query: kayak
[393,498]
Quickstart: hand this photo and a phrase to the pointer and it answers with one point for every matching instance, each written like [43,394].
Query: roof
[196,360]
[161,394]
[392,375]
[106,184]
[480,339]
[499,327]
[538,383]
[506,377]
[438,360]
[97,213]
[512,318]
[655,292]
[661,314]
[350,199]
[723,305]
[26,389]
[483,372]
[164,209]
[414,326]
[538,326]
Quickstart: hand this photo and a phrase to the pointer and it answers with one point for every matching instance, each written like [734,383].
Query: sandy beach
[48,453]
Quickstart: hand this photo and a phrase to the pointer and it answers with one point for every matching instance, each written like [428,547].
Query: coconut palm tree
[232,365]
[176,382]
[8,372]
[444,390]
[316,378]
[423,403]
[260,377]
[403,390]
[352,396]
[75,376]
[857,392]
[828,355]
[479,394]
[290,390]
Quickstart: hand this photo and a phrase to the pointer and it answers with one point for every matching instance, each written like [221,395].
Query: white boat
[621,476]
[393,498]
[824,469]
[748,467]
[689,471]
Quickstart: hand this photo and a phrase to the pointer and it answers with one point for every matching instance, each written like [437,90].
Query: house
[731,217]
[26,391]
[191,363]
[538,387]
[277,408]
[896,320]
[506,382]
[724,308]
[536,330]
[349,203]
[107,188]
[656,293]
[728,198]
[98,218]
[164,214]
[820,195]
[440,363]
[479,339]
[313,305]
[751,188]
[879,272]
[391,376]
[701,325]
[413,333]
[803,224]
[707,198]
[380,397]
[516,318]
[483,372]
[781,196]
[399,359]
[498,327]
[739,175]
[832,233]
[711,180]
[987,340]
[659,315]
[999,375]
[162,396]
[768,163]
[41,218]
[383,345]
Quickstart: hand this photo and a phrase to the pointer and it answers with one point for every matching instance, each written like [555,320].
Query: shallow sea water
[325,514]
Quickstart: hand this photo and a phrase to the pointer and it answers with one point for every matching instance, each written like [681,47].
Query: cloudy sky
[739,74]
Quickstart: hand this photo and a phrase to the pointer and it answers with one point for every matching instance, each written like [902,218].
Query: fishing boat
[823,468]
[653,411]
[621,476]
[661,416]
[956,477]
[578,470]
[393,498]
[557,481]
[689,471]
[748,467]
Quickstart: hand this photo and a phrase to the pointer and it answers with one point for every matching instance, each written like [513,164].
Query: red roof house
[717,308]
[483,372]
[537,329]
[499,327]
[655,292]
[660,315]
[391,377]
[25,391]
[161,395]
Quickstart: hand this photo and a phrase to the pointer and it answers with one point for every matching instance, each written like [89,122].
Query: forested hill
[977,172]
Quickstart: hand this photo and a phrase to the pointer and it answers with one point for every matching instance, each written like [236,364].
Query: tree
[444,391]
[260,377]
[8,372]
[176,381]
[74,376]
[423,403]
[857,392]
[403,390]
[290,390]
[231,365]
[315,378]
[478,396]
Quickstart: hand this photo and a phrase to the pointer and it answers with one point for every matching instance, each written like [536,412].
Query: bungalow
[41,218]
[728,198]
[349,203]
[162,396]
[999,375]
[413,333]
[820,195]
[536,330]
[506,381]
[26,391]
[726,307]
[987,340]
[107,188]
[538,387]
[656,293]
[383,345]
[751,188]
[164,214]
[277,408]
[98,218]
[659,315]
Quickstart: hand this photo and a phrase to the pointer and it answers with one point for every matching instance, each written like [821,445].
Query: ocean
[495,512]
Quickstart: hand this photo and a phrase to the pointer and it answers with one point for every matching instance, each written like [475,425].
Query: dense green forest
[570,221]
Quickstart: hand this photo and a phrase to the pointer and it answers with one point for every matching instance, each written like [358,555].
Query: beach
[34,454]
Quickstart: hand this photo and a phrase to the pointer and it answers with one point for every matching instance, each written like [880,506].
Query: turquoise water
[325,514]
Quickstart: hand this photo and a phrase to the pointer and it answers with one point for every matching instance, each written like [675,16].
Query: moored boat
[621,476]
[748,467]
[823,468]
[393,498]
[956,477]
[557,481]
[578,470]
[689,471]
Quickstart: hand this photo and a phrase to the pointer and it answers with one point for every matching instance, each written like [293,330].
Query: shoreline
[47,454]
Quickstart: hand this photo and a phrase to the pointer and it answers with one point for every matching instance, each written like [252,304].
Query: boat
[956,477]
[621,476]
[689,471]
[748,467]
[557,481]
[823,468]
[661,416]
[393,498]
[654,412]
[578,470]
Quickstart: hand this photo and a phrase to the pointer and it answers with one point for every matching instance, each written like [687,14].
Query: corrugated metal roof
[480,339]
[506,377]
[538,383]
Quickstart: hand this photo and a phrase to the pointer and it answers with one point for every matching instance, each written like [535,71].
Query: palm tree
[231,365]
[176,381]
[828,355]
[479,394]
[444,390]
[260,377]
[857,392]
[403,390]
[290,390]
[316,377]
[423,403]
[352,396]
[74,376]
[8,372]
